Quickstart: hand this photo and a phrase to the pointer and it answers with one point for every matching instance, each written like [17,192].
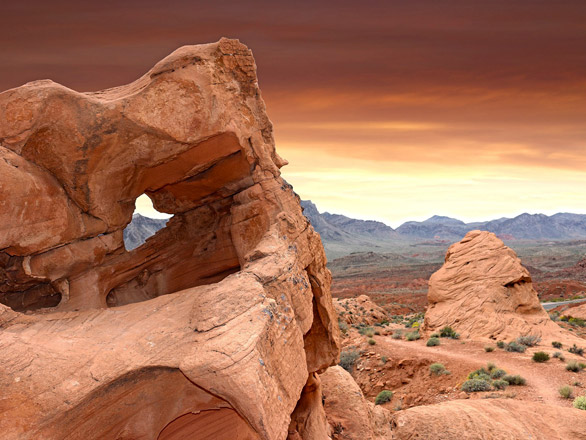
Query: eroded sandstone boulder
[350,415]
[218,324]
[483,291]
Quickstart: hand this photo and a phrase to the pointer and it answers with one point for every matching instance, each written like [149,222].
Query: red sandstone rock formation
[218,323]
[483,291]
[489,420]
[349,413]
[577,312]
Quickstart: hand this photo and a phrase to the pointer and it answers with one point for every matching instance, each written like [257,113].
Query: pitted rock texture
[483,291]
[221,320]
[495,419]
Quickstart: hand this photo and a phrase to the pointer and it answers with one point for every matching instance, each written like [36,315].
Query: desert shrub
[573,366]
[481,373]
[377,333]
[500,344]
[384,359]
[497,373]
[412,336]
[371,341]
[437,369]
[528,340]
[448,332]
[435,335]
[576,350]
[558,355]
[577,321]
[343,326]
[566,392]
[474,385]
[580,402]
[383,397]
[514,379]
[489,349]
[347,359]
[515,347]
[556,344]
[500,384]
[397,335]
[432,342]
[540,356]
[366,331]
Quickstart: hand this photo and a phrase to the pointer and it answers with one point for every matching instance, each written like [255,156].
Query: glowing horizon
[392,111]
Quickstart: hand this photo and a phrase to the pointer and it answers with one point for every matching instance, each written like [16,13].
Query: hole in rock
[146,222]
[190,249]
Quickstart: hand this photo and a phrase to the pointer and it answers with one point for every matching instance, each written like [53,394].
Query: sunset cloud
[390,110]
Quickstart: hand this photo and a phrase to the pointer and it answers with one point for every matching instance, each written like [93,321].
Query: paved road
[552,305]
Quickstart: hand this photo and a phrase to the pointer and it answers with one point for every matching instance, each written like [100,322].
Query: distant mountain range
[342,235]
[336,229]
[141,228]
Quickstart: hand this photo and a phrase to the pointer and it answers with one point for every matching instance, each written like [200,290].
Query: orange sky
[390,110]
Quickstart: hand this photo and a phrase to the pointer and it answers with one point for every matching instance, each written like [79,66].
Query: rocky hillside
[561,226]
[141,228]
[342,235]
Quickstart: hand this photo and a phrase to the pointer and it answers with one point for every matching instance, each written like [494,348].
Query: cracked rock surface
[217,326]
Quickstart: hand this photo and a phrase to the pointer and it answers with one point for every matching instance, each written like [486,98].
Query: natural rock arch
[233,293]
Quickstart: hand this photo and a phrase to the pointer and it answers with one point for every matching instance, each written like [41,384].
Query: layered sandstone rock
[351,416]
[489,420]
[218,324]
[577,312]
[483,291]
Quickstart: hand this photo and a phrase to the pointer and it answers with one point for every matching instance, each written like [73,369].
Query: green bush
[573,366]
[540,356]
[397,335]
[558,355]
[481,373]
[528,340]
[412,336]
[371,341]
[556,344]
[497,373]
[576,350]
[500,344]
[384,359]
[347,359]
[435,335]
[580,402]
[514,379]
[366,331]
[500,384]
[343,326]
[432,342]
[475,385]
[489,349]
[515,347]
[566,392]
[383,397]
[438,369]
[448,332]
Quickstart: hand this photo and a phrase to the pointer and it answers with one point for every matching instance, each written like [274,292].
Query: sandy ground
[406,371]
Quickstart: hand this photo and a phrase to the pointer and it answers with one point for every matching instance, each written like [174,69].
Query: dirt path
[461,357]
